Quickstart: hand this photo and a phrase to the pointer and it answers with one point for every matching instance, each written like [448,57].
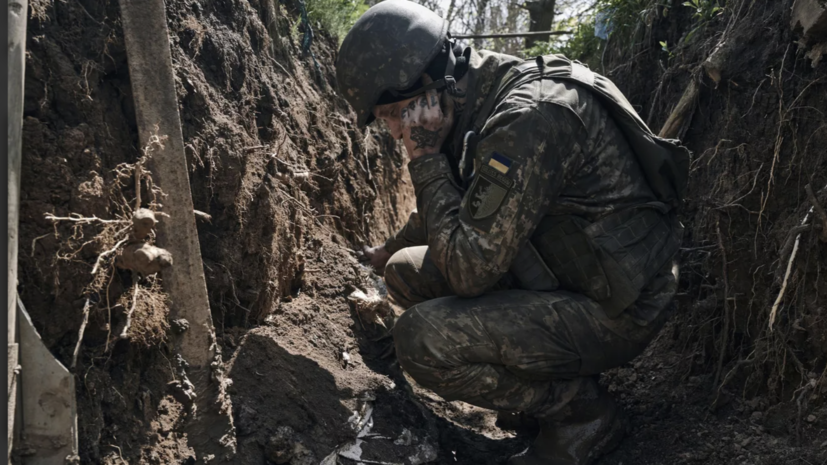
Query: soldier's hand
[377,257]
[426,123]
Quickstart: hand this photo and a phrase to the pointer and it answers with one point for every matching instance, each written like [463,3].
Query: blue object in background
[603,25]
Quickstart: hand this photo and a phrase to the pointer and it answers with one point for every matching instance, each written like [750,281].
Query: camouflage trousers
[512,349]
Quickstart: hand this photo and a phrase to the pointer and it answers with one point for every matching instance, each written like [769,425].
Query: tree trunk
[479,28]
[541,15]
[449,16]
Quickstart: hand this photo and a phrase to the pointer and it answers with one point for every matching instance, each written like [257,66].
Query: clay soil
[293,189]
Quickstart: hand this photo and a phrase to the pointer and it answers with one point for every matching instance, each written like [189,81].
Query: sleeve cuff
[427,168]
[392,245]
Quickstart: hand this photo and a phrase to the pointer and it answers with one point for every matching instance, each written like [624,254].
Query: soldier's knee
[419,346]
[397,267]
[401,278]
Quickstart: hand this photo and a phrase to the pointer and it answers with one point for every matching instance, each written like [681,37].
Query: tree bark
[479,28]
[541,16]
[449,16]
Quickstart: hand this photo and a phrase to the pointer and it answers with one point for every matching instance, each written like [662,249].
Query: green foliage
[624,16]
[665,47]
[705,10]
[335,16]
[581,45]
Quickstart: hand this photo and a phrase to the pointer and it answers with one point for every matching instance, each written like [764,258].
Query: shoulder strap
[665,162]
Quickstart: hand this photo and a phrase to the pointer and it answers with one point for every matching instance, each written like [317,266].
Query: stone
[810,16]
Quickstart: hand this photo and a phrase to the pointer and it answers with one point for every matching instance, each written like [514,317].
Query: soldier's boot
[587,428]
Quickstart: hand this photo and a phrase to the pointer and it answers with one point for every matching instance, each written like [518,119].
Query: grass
[335,16]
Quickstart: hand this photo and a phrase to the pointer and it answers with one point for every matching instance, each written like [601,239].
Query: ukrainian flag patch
[500,163]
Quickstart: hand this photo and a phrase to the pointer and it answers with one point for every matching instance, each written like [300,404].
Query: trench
[293,189]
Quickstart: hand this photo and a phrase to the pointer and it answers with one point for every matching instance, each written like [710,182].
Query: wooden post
[16,72]
[156,109]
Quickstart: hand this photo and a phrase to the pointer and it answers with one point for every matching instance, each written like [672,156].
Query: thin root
[131,310]
[86,308]
[106,254]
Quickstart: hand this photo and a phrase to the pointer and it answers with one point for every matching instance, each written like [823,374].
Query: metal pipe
[511,34]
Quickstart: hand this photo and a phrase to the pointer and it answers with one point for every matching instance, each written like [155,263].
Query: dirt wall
[273,158]
[758,137]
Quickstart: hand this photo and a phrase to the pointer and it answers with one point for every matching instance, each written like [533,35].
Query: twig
[106,254]
[83,219]
[138,172]
[34,241]
[725,334]
[780,297]
[131,310]
[788,243]
[109,313]
[86,308]
[774,310]
[819,210]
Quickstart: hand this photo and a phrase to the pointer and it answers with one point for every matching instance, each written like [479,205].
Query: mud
[292,189]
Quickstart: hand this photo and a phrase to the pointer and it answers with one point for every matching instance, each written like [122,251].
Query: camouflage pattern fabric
[549,150]
[510,350]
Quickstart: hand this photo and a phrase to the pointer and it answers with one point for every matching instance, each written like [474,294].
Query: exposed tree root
[145,258]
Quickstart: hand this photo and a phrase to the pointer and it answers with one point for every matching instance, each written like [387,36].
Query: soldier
[542,250]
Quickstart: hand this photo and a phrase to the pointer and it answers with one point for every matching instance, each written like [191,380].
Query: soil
[293,189]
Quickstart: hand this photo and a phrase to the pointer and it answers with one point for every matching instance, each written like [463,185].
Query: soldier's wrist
[428,168]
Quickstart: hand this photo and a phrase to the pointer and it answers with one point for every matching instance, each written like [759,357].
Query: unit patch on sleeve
[489,188]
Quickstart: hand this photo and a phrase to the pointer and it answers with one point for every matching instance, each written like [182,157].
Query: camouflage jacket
[549,148]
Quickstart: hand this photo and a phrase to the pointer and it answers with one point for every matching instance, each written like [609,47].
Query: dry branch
[74,217]
[774,310]
[135,288]
[678,121]
[106,254]
[725,331]
[86,308]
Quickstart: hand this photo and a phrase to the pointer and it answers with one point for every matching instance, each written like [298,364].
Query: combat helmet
[386,52]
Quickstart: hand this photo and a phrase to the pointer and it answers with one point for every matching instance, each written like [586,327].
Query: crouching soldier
[542,250]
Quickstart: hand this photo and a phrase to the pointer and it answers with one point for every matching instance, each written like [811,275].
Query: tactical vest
[614,258]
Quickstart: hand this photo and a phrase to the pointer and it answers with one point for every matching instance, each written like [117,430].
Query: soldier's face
[391,114]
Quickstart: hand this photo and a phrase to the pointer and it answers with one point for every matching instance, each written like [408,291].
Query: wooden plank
[16,72]
[156,106]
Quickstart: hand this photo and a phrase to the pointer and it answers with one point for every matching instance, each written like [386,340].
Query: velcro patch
[488,192]
[500,162]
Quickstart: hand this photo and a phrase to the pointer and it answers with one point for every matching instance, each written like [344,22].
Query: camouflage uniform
[550,164]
